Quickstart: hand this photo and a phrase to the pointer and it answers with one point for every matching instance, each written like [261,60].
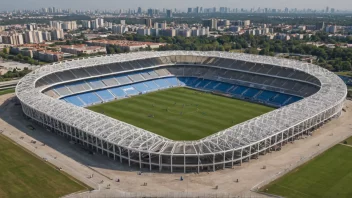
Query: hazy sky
[180,4]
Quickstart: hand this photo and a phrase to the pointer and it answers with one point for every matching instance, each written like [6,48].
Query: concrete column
[184,164]
[150,162]
[129,158]
[113,147]
[102,147]
[120,155]
[171,164]
[160,162]
[140,160]
[214,162]
[223,166]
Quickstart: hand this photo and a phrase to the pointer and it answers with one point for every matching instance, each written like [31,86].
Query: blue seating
[122,79]
[193,82]
[151,85]
[173,81]
[211,85]
[141,87]
[250,93]
[293,99]
[122,86]
[266,95]
[129,90]
[223,87]
[89,98]
[238,90]
[202,84]
[118,92]
[96,83]
[162,83]
[105,95]
[184,80]
[74,100]
[280,99]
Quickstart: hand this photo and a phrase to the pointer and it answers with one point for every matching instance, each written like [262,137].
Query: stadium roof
[332,91]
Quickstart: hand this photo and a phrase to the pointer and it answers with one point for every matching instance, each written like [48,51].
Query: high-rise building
[118,29]
[2,28]
[169,13]
[99,22]
[56,25]
[13,39]
[320,26]
[169,32]
[38,37]
[162,25]
[94,25]
[57,34]
[195,32]
[139,10]
[189,10]
[31,26]
[123,22]
[211,23]
[86,24]
[331,29]
[150,12]
[46,36]
[246,23]
[69,25]
[33,37]
[28,37]
[154,32]
[148,22]
[143,31]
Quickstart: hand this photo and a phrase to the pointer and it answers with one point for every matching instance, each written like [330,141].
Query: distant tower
[169,13]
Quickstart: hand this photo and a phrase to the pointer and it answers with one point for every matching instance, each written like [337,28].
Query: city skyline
[171,4]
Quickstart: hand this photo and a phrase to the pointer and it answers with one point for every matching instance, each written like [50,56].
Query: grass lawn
[349,141]
[181,113]
[6,91]
[24,175]
[345,73]
[328,175]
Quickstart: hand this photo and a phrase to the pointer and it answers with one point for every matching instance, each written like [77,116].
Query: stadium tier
[306,96]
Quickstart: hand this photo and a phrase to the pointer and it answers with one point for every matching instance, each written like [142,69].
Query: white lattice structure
[136,146]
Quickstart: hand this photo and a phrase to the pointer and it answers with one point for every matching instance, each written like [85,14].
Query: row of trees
[335,59]
[19,58]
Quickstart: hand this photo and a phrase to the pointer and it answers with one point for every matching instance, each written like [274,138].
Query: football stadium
[182,111]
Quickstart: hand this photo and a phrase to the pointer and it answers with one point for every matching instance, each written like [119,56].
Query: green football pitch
[328,175]
[181,113]
[24,175]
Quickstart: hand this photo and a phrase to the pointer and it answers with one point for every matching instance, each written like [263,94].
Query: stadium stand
[74,100]
[263,79]
[89,98]
[118,92]
[276,92]
[105,95]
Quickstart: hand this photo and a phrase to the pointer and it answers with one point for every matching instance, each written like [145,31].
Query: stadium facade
[44,95]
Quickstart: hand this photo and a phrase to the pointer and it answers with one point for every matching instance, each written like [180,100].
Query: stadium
[304,96]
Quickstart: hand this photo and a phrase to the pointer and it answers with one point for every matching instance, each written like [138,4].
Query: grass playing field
[328,175]
[181,113]
[24,175]
[6,91]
